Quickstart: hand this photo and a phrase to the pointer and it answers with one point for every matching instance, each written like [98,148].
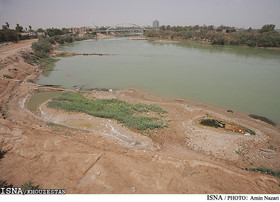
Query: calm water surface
[245,79]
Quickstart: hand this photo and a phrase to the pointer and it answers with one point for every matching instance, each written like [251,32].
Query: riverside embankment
[79,153]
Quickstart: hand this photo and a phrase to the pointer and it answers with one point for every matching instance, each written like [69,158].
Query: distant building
[80,31]
[155,24]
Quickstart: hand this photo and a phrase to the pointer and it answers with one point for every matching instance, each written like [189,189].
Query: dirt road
[84,155]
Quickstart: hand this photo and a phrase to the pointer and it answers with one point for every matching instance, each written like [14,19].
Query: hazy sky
[77,13]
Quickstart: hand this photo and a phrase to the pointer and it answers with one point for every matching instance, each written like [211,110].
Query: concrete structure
[126,29]
[81,30]
[155,24]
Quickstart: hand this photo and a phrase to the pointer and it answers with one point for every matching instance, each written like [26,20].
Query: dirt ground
[86,154]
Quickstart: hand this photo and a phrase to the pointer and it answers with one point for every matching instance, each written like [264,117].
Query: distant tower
[155,24]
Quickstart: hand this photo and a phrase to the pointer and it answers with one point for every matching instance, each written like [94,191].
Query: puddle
[226,126]
[85,125]
[40,97]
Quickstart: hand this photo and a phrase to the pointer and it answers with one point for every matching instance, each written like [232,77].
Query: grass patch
[54,124]
[41,61]
[7,76]
[266,171]
[131,115]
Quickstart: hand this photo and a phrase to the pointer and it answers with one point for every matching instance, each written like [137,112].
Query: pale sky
[78,13]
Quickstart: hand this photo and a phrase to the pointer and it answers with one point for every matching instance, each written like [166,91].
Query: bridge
[129,29]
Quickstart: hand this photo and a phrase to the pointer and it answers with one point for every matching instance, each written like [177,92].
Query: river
[239,78]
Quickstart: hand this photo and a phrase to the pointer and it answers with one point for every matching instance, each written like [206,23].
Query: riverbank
[85,154]
[178,41]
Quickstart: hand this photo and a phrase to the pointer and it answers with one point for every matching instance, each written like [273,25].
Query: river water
[240,78]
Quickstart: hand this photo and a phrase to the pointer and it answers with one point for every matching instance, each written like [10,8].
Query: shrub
[4,184]
[266,171]
[41,48]
[9,35]
[29,186]
[30,80]
[7,76]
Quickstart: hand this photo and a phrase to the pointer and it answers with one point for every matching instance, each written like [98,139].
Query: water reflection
[246,79]
[239,51]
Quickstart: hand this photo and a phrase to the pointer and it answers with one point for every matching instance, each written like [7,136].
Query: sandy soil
[94,155]
[104,36]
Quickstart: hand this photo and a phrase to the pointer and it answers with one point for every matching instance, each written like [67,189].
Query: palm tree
[8,25]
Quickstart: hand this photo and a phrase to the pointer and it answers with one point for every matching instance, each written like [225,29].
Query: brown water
[39,98]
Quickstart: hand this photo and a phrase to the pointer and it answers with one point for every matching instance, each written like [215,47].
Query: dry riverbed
[85,154]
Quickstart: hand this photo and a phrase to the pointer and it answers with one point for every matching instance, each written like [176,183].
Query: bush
[7,76]
[4,184]
[9,35]
[30,80]
[266,171]
[41,48]
[29,186]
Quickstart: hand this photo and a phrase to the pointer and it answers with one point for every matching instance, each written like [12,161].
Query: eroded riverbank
[74,153]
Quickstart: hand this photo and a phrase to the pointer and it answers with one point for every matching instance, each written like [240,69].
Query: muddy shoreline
[83,154]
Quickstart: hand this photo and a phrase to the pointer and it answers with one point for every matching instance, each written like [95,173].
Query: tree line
[267,36]
[7,34]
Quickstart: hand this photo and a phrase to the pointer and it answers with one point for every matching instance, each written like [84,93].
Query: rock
[133,189]
[98,173]
[266,150]
[158,147]
[136,143]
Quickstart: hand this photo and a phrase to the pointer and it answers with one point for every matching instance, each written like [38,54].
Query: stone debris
[133,189]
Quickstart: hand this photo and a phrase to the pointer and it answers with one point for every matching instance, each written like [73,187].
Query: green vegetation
[25,186]
[211,123]
[40,55]
[40,97]
[266,171]
[41,48]
[9,35]
[48,123]
[240,152]
[223,35]
[4,184]
[7,76]
[29,186]
[128,114]
[54,35]
[30,80]
[54,32]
